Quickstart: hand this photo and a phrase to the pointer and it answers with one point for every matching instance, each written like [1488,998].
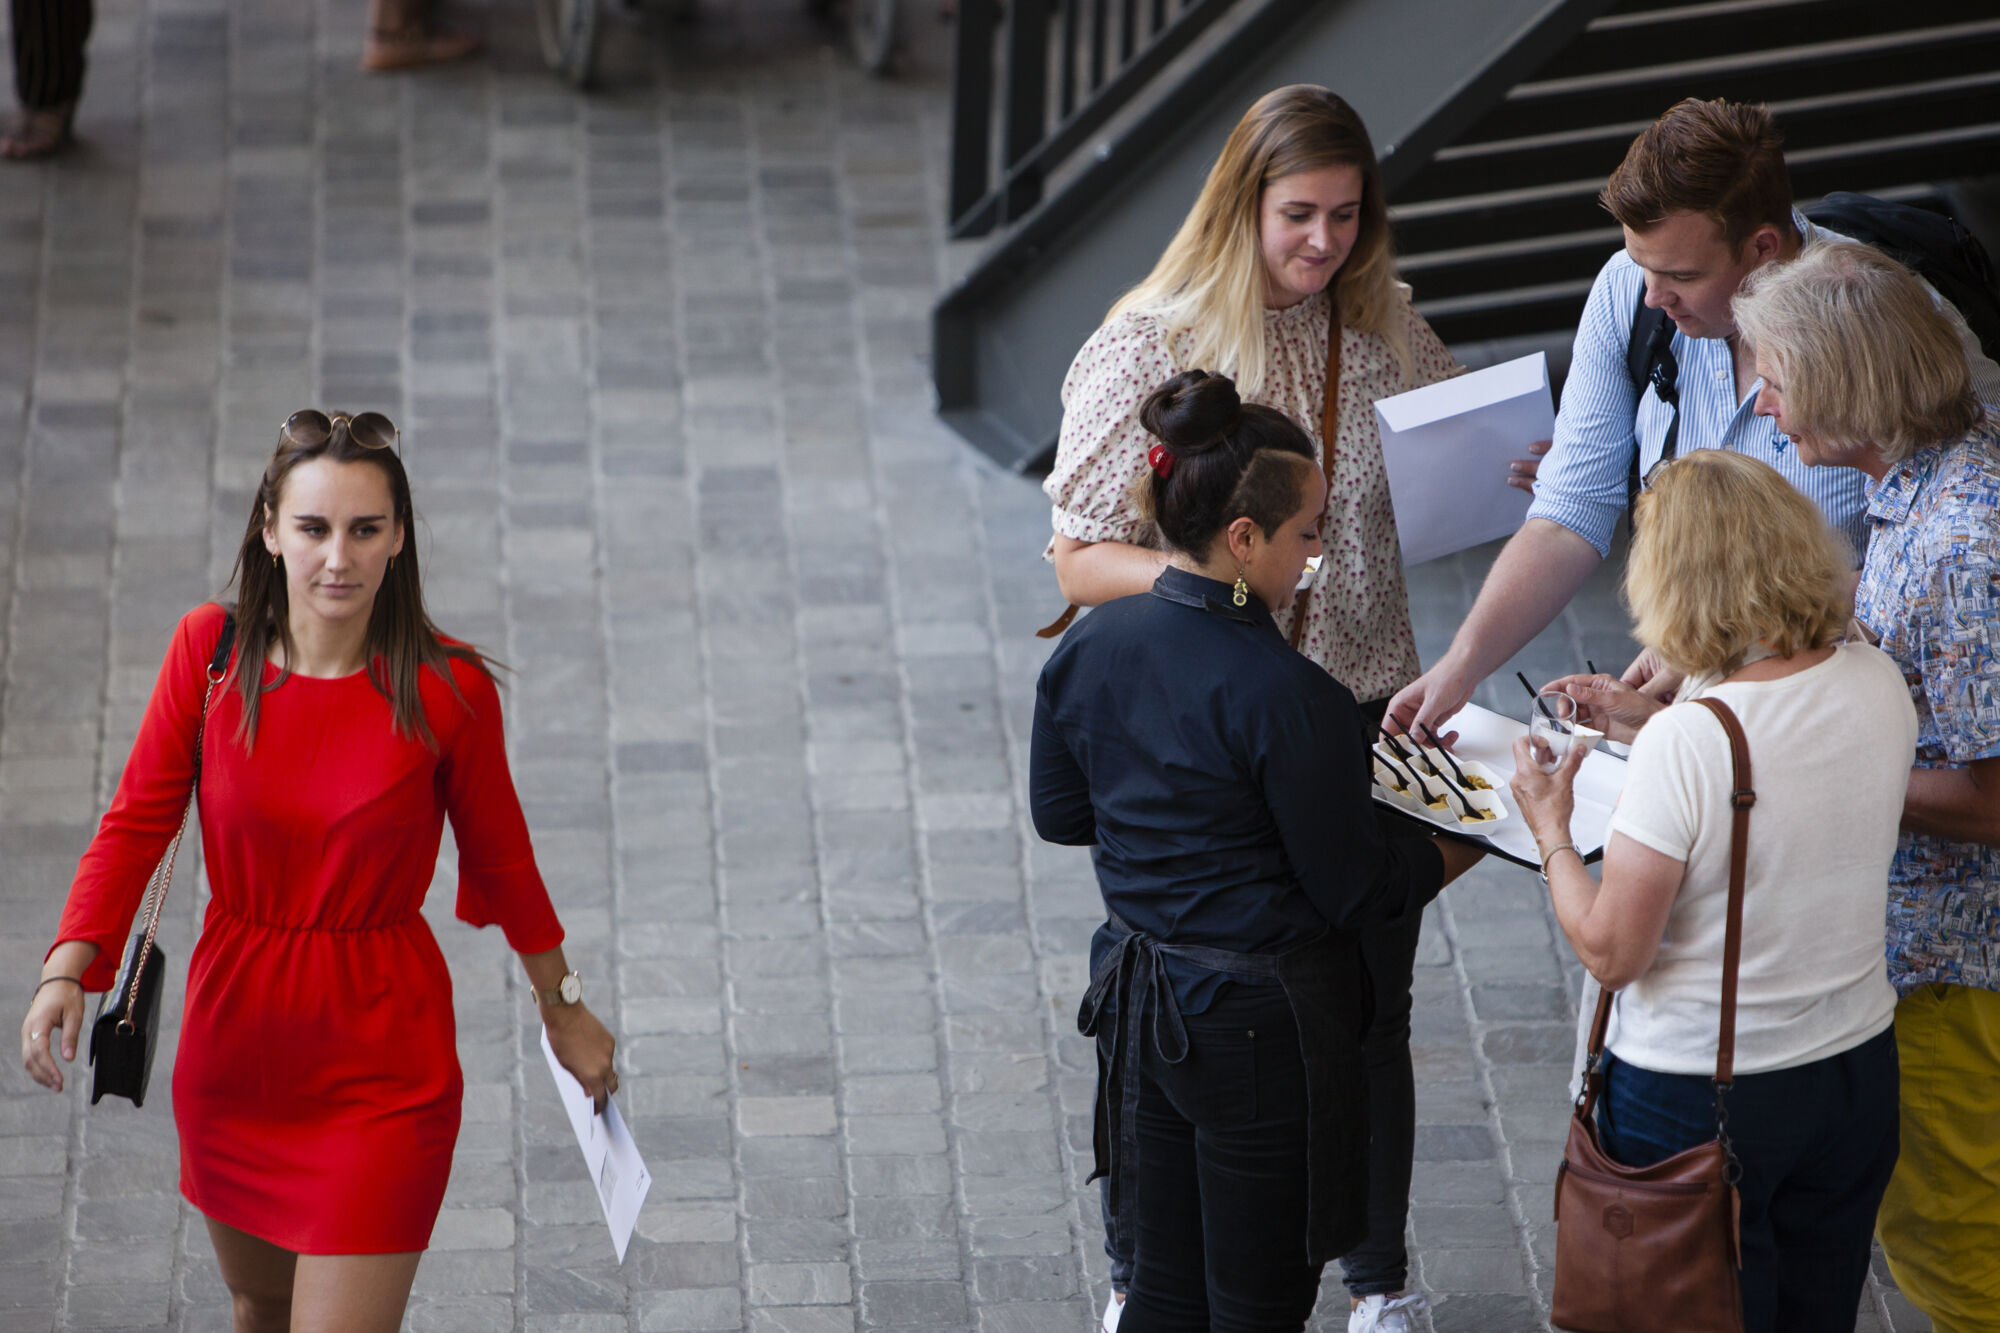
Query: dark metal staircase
[1496,120]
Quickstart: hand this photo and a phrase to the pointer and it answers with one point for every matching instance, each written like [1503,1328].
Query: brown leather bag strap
[1593,1075]
[1059,624]
[1741,797]
[1329,430]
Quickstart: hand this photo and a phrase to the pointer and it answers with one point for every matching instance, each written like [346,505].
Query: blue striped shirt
[1581,484]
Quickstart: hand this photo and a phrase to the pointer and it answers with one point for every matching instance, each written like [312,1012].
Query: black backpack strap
[1649,360]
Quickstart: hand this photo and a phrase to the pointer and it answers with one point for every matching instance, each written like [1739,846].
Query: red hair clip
[1162,459]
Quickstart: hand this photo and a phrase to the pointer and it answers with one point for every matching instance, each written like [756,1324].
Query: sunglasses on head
[311,428]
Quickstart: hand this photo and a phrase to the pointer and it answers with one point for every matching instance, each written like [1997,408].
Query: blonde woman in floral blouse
[1290,225]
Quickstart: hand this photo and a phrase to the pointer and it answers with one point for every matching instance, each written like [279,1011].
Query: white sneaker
[1385,1314]
[1113,1309]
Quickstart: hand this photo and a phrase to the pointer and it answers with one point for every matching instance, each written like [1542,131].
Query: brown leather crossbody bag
[1656,1249]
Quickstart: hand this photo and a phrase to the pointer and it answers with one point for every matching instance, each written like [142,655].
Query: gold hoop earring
[1241,593]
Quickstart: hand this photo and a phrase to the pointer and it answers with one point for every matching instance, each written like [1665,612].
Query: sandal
[415,46]
[43,132]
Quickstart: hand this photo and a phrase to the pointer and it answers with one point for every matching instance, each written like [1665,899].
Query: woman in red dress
[317,1087]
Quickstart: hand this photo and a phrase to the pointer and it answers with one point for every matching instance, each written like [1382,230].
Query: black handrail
[1101,52]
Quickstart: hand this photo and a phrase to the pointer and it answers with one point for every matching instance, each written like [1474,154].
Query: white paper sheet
[610,1157]
[1489,738]
[1447,447]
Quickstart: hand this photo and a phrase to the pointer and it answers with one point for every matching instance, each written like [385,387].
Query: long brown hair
[1210,280]
[401,640]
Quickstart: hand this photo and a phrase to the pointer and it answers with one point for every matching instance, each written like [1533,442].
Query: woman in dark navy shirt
[1221,780]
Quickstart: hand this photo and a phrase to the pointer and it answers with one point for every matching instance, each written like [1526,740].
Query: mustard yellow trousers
[1940,1221]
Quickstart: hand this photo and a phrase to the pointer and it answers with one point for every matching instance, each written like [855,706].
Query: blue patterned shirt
[1581,484]
[1930,589]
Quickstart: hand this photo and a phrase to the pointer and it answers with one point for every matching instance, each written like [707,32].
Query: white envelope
[610,1157]
[1447,447]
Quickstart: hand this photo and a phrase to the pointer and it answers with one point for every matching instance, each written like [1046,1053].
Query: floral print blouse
[1358,619]
[1930,592]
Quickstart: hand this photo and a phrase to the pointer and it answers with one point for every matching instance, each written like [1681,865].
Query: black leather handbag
[128,1021]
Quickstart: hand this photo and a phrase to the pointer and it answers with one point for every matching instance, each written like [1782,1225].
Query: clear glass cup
[1552,728]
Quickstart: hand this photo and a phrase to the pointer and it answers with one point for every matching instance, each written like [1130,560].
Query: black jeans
[1380,1264]
[1221,1215]
[1817,1144]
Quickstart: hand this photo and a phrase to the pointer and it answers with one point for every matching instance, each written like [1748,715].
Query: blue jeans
[1817,1144]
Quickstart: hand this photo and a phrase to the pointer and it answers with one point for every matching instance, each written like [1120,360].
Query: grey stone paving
[659,356]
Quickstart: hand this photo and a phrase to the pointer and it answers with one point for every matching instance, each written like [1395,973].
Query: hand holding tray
[1486,739]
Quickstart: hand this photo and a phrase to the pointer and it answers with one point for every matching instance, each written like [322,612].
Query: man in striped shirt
[1704,200]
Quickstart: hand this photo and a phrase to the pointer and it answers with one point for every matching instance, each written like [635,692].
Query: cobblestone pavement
[660,359]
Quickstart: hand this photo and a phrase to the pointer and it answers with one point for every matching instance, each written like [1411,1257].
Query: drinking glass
[1551,728]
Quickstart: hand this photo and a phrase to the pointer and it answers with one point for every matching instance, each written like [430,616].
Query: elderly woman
[1736,580]
[1859,370]
[1222,780]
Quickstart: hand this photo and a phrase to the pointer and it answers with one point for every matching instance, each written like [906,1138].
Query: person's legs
[1380,1264]
[402,36]
[259,1276]
[1823,1214]
[352,1293]
[49,38]
[1254,1194]
[273,1290]
[1165,1290]
[1940,1219]
[1645,1117]
[1119,1255]
[1242,1091]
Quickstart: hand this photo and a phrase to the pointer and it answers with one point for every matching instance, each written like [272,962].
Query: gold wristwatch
[567,991]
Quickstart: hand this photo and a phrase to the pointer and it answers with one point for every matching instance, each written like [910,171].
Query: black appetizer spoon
[1438,745]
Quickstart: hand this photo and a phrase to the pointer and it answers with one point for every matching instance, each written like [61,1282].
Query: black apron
[1327,985]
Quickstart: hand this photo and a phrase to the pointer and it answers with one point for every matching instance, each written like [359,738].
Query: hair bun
[1190,411]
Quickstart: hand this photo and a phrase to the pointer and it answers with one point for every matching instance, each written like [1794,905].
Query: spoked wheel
[871,31]
[569,37]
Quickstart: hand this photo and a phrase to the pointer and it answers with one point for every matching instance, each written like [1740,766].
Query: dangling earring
[274,559]
[1241,593]
[392,562]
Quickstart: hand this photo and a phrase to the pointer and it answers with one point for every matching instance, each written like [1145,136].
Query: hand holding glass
[1551,728]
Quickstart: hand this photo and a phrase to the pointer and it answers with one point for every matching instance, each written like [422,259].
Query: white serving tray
[1487,738]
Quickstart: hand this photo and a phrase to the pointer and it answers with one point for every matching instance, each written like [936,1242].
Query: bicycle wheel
[871,31]
[569,37]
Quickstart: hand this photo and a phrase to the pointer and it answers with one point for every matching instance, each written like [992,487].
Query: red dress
[317,1086]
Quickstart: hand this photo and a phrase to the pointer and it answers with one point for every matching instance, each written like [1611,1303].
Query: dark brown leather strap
[1593,1076]
[1329,427]
[1059,624]
[1741,797]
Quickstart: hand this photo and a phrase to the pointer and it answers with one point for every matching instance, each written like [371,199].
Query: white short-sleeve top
[1358,620]
[1830,753]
